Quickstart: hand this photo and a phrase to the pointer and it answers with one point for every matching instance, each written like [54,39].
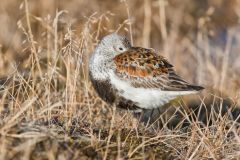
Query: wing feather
[143,68]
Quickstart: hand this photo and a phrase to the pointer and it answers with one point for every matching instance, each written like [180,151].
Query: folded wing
[143,68]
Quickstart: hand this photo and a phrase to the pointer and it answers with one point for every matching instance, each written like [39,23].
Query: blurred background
[47,103]
[201,38]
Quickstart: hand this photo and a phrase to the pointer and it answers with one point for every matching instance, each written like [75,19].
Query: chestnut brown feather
[143,68]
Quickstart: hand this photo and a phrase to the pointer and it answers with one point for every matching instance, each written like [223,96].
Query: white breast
[145,98]
[97,67]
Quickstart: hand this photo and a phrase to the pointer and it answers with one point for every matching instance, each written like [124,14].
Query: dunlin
[134,78]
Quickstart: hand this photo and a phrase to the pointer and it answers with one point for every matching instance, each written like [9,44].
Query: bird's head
[113,44]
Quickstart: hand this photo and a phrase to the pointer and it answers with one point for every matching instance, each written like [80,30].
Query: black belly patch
[127,104]
[110,95]
[104,90]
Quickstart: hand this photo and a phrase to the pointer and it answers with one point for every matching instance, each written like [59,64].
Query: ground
[49,109]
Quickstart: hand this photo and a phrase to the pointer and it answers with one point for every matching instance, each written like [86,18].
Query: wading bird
[134,78]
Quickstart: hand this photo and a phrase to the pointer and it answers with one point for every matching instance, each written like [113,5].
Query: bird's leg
[138,115]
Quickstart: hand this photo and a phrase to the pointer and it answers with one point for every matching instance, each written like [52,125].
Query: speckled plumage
[134,77]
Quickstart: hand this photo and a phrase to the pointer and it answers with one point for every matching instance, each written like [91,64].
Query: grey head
[112,45]
[101,61]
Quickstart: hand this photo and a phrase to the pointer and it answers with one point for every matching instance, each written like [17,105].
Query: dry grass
[49,109]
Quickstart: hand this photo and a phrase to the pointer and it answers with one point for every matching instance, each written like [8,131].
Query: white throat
[98,66]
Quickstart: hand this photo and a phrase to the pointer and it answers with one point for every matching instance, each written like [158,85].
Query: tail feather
[196,88]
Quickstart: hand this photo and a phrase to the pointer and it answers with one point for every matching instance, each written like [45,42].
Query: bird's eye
[119,48]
